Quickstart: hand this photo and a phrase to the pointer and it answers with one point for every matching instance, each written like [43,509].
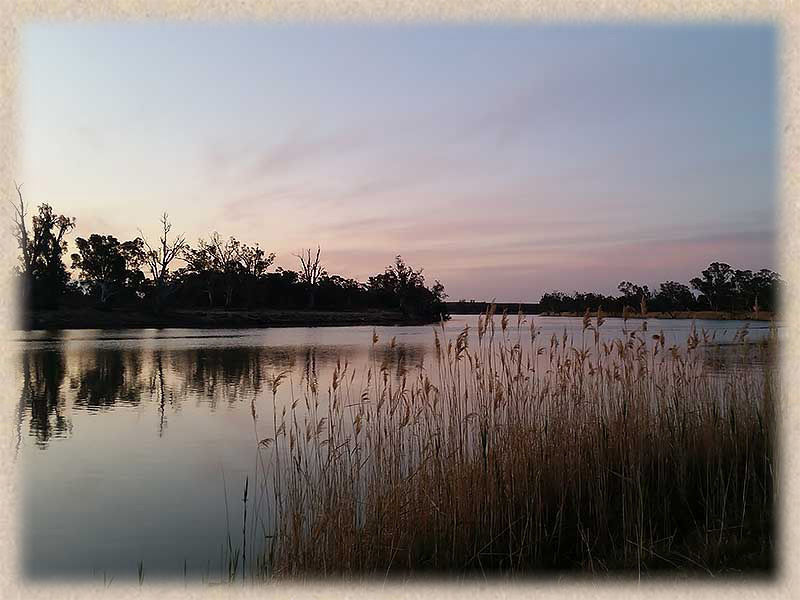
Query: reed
[516,454]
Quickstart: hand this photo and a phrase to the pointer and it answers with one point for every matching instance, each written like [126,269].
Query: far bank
[92,318]
[712,315]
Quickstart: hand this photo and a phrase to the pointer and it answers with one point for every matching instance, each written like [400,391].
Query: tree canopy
[217,272]
[720,287]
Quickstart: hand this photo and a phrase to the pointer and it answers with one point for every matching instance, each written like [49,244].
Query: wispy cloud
[538,158]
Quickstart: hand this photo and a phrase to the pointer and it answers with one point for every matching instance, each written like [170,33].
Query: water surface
[131,443]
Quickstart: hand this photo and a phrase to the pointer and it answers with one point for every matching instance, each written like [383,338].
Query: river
[130,444]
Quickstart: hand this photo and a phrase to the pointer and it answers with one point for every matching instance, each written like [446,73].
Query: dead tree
[311,271]
[159,258]
[20,231]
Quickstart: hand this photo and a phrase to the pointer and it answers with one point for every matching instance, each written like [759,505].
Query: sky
[506,160]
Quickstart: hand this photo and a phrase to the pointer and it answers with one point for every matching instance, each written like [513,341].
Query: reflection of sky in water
[123,436]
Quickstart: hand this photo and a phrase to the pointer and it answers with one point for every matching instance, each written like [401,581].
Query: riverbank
[711,315]
[90,318]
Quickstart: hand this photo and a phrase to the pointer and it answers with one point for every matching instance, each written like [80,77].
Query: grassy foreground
[527,455]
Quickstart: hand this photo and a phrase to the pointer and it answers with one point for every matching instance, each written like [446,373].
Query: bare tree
[159,258]
[311,271]
[20,230]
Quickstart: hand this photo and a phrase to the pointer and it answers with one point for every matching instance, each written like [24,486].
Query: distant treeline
[720,287]
[219,273]
[472,307]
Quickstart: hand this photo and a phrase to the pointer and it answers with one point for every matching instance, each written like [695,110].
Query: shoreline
[71,318]
[90,318]
[705,315]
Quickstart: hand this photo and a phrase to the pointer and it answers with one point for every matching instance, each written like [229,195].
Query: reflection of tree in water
[399,357]
[158,389]
[109,377]
[100,379]
[43,373]
[724,358]
[310,376]
[231,374]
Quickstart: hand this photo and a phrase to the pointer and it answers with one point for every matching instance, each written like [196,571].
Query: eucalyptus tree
[41,245]
[109,267]
[716,285]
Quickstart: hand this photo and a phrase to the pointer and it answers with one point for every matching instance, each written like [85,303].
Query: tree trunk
[105,292]
[311,297]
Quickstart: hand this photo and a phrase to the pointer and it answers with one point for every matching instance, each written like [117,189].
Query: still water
[130,443]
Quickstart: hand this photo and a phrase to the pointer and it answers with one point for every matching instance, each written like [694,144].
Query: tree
[765,287]
[201,263]
[108,266]
[215,264]
[159,258]
[716,285]
[226,265]
[311,271]
[227,261]
[552,302]
[335,291]
[254,260]
[672,296]
[44,277]
[254,263]
[635,294]
[403,288]
[20,232]
[744,292]
[755,291]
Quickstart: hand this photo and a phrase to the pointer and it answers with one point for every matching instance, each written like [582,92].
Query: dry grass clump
[522,455]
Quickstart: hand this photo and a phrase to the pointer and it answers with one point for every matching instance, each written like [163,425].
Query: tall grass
[519,454]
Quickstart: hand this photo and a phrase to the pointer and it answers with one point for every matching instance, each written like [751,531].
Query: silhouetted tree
[227,260]
[215,263]
[716,285]
[280,289]
[311,271]
[43,274]
[720,287]
[340,292]
[158,258]
[225,266]
[755,291]
[217,270]
[254,263]
[766,286]
[633,295]
[403,288]
[673,296]
[109,267]
[552,301]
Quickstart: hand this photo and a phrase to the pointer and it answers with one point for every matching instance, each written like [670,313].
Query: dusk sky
[507,160]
